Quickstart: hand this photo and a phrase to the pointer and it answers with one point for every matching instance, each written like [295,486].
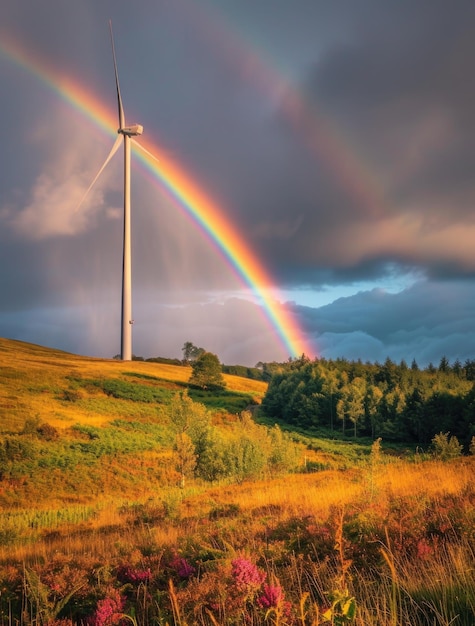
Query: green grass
[101,415]
[230,401]
[98,490]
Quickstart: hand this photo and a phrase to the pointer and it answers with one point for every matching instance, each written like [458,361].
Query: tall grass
[95,515]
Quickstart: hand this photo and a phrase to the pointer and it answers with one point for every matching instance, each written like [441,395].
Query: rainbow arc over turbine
[180,185]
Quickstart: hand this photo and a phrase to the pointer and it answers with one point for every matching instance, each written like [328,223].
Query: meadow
[98,527]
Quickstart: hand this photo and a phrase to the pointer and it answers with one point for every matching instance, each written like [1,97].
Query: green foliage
[150,393]
[185,457]
[241,451]
[164,360]
[193,420]
[390,401]
[133,391]
[91,432]
[207,372]
[248,450]
[18,523]
[214,463]
[285,453]
[191,352]
[446,447]
[16,449]
[254,373]
[342,610]
[223,399]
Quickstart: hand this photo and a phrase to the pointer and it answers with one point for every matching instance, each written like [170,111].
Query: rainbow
[191,198]
[248,59]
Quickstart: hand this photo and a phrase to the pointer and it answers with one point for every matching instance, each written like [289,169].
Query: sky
[336,139]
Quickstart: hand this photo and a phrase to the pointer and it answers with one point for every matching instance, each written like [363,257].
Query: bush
[445,447]
[47,432]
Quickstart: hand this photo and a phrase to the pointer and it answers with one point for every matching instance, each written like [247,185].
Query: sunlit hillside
[128,497]
[37,382]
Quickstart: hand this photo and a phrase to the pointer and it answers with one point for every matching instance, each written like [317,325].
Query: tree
[191,352]
[193,420]
[372,401]
[444,365]
[207,372]
[185,457]
[446,447]
[351,403]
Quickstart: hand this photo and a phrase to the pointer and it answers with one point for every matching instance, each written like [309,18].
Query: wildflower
[109,611]
[272,596]
[128,574]
[247,576]
[182,567]
[424,549]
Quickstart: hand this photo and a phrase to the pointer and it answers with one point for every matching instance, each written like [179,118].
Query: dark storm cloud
[396,92]
[423,322]
[400,91]
[337,136]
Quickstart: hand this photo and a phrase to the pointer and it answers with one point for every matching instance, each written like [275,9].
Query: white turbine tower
[127,132]
[125,135]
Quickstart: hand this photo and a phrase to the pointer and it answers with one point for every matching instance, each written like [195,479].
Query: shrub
[47,432]
[31,425]
[446,447]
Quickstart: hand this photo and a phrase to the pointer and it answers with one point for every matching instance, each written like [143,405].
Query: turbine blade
[136,143]
[114,149]
[119,98]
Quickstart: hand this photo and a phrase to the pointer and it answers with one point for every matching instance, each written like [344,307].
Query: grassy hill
[61,388]
[94,524]
[76,429]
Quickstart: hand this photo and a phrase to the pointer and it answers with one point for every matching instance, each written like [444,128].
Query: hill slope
[75,429]
[92,516]
[45,383]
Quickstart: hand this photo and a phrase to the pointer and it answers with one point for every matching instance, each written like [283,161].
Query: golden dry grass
[34,377]
[314,494]
[273,501]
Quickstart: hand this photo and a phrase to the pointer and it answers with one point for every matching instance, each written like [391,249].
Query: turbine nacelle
[131,131]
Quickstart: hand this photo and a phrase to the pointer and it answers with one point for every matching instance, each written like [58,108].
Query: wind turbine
[125,134]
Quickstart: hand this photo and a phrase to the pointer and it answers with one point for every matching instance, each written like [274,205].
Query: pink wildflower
[424,549]
[182,567]
[128,574]
[247,576]
[109,611]
[272,596]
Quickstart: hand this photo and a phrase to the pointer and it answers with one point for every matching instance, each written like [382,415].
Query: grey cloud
[336,136]
[425,322]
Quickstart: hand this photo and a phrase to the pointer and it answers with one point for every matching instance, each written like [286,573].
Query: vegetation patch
[182,509]
[226,400]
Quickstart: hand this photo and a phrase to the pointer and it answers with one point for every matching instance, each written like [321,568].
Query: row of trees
[396,402]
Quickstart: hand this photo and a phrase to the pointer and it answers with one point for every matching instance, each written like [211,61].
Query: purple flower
[247,576]
[109,611]
[182,567]
[272,596]
[128,574]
